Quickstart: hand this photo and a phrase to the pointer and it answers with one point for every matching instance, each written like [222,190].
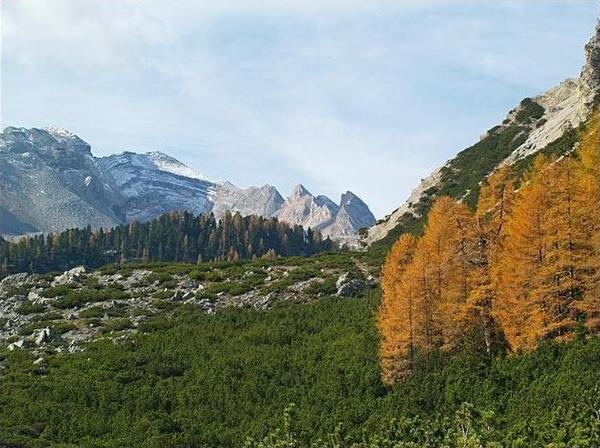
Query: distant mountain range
[49,181]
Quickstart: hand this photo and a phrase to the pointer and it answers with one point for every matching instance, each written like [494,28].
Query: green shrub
[95,311]
[28,307]
[63,326]
[77,298]
[56,291]
[117,325]
[237,371]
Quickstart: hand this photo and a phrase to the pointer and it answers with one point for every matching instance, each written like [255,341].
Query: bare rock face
[590,75]
[304,209]
[262,201]
[338,222]
[352,216]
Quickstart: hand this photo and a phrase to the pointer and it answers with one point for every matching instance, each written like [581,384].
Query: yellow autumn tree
[547,272]
[518,268]
[487,238]
[441,271]
[587,216]
[425,290]
[395,315]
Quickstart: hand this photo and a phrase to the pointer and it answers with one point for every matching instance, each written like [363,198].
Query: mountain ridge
[542,124]
[106,191]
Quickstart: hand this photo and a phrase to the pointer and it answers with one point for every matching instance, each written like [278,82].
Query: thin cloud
[367,96]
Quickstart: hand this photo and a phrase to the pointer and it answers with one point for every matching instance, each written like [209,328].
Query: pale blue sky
[367,96]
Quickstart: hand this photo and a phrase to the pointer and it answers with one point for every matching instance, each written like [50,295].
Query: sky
[334,94]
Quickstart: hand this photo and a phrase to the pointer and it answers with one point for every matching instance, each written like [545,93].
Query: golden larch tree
[587,217]
[442,267]
[487,238]
[395,315]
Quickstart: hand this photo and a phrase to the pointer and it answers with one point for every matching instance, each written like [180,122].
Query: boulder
[348,286]
[136,278]
[69,277]
[46,335]
[17,345]
[35,297]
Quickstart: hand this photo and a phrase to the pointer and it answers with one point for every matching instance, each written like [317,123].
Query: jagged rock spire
[590,75]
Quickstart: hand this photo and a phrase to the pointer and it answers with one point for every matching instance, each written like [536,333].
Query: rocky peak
[353,215]
[590,75]
[263,201]
[349,198]
[300,191]
[49,141]
[165,162]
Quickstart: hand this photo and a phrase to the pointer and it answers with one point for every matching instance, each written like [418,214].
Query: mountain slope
[154,183]
[49,181]
[547,123]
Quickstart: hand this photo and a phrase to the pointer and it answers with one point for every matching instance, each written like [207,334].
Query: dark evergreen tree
[176,237]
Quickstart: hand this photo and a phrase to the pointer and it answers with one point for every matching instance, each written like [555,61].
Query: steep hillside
[547,123]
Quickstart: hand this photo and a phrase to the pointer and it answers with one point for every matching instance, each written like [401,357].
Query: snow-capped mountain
[155,183]
[49,180]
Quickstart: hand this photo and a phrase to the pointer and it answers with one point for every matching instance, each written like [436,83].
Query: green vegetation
[76,298]
[212,380]
[28,307]
[172,237]
[461,178]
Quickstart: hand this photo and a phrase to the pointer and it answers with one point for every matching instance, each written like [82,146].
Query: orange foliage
[525,263]
[395,318]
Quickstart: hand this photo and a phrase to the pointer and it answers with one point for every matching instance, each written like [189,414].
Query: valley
[144,304]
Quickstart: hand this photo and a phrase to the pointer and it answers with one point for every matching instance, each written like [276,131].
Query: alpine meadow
[146,304]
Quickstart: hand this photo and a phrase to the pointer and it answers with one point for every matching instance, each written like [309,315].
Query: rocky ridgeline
[58,312]
[561,109]
[50,181]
